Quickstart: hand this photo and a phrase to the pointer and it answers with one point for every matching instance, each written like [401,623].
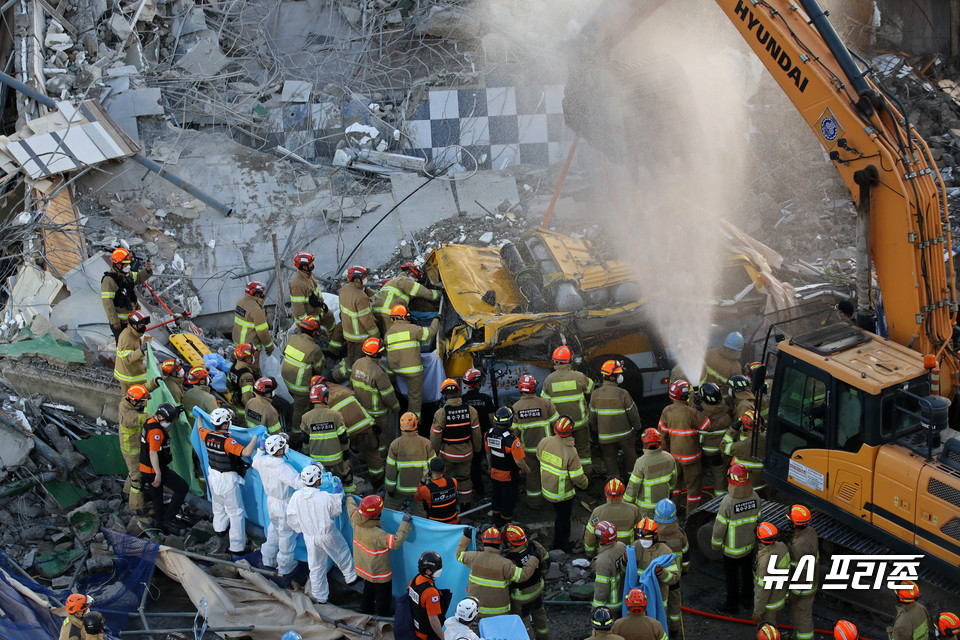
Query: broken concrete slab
[205,57]
[14,449]
[485,191]
[296,91]
[125,107]
[433,201]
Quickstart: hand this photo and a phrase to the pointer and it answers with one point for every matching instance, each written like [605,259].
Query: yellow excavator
[860,417]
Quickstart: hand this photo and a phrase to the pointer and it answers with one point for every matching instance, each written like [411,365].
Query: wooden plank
[63,241]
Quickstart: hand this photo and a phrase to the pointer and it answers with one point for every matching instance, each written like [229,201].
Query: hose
[718,616]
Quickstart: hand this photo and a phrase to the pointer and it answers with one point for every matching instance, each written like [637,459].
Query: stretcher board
[192,348]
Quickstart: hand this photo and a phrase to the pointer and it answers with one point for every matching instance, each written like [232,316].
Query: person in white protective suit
[459,628]
[225,476]
[279,480]
[312,513]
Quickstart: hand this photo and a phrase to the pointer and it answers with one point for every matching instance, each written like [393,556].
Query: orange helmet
[264,386]
[357,272]
[948,624]
[255,288]
[527,384]
[738,475]
[372,346]
[910,593]
[197,375]
[473,377]
[120,255]
[409,422]
[399,311]
[562,355]
[651,438]
[636,601]
[750,368]
[749,419]
[800,515]
[137,393]
[371,506]
[491,535]
[611,368]
[767,631]
[315,380]
[77,602]
[303,259]
[767,533]
[450,385]
[243,351]
[679,390]
[614,488]
[172,367]
[319,393]
[845,630]
[413,269]
[646,528]
[563,427]
[515,535]
[605,531]
[308,323]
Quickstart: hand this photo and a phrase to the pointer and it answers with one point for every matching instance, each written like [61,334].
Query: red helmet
[243,351]
[315,380]
[636,601]
[767,631]
[413,269]
[767,533]
[357,272]
[450,385]
[651,438]
[614,488]
[679,390]
[78,603]
[255,288]
[948,624]
[120,255]
[800,515]
[562,355]
[646,528]
[172,367]
[197,375]
[137,393]
[319,393]
[749,419]
[399,311]
[528,384]
[750,368]
[491,535]
[371,506]
[264,386]
[139,318]
[605,531]
[308,323]
[473,377]
[611,368]
[845,630]
[515,535]
[910,593]
[738,475]
[372,346]
[303,259]
[563,427]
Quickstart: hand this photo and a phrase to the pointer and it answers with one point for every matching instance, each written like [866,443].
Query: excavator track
[845,539]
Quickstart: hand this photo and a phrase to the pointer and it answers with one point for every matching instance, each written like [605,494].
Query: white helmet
[311,474]
[277,443]
[467,609]
[220,416]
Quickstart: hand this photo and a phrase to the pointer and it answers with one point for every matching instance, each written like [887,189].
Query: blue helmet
[734,340]
[666,512]
[291,635]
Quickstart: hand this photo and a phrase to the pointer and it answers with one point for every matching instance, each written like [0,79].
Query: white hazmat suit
[453,629]
[312,512]
[279,480]
[227,506]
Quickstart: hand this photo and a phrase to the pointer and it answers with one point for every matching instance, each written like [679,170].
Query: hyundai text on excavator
[859,425]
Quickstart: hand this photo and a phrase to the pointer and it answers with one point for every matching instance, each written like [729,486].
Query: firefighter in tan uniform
[532,420]
[804,542]
[356,317]
[371,552]
[250,321]
[608,566]
[117,291]
[197,393]
[768,601]
[721,363]
[654,475]
[637,625]
[133,415]
[328,440]
[735,533]
[400,289]
[490,573]
[78,608]
[568,390]
[622,515]
[713,406]
[260,409]
[302,359]
[526,597]
[681,426]
[359,423]
[377,396]
[404,341]
[615,418]
[648,548]
[408,461]
[912,621]
[670,533]
[751,434]
[455,436]
[602,621]
[131,362]
[560,473]
[241,378]
[306,299]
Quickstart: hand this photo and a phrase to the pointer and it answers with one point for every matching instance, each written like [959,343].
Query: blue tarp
[425,535]
[648,582]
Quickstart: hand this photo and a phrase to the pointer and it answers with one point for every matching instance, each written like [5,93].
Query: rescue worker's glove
[261,442]
[468,532]
[757,618]
[407,517]
[658,570]
[317,302]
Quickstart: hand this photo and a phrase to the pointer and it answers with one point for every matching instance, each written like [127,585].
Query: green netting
[104,454]
[180,446]
[45,347]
